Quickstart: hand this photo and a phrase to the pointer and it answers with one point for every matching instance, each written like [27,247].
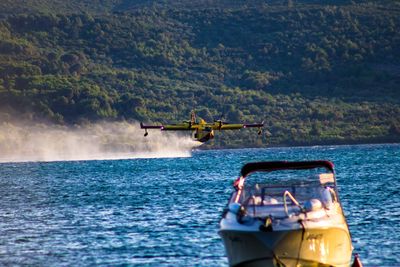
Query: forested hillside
[316,71]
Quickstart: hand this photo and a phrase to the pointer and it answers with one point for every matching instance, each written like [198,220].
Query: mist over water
[106,140]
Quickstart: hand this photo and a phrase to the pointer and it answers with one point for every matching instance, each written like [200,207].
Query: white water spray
[100,141]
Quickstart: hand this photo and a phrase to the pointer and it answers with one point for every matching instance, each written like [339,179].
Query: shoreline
[393,141]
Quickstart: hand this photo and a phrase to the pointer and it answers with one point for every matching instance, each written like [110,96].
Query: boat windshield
[285,177]
[268,188]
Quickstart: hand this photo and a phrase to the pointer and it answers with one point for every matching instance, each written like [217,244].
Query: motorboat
[286,214]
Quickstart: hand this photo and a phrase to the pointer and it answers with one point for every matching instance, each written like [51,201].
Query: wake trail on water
[99,141]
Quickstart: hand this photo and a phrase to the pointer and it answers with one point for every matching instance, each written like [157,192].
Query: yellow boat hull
[309,247]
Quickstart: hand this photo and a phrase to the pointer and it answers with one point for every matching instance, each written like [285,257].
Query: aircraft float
[202,131]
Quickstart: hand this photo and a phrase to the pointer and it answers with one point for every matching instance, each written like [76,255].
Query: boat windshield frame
[268,166]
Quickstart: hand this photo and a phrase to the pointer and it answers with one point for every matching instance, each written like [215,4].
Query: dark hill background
[317,72]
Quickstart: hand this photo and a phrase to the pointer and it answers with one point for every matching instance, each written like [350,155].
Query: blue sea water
[165,211]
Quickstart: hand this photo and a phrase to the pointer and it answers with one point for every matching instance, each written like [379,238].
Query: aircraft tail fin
[193,117]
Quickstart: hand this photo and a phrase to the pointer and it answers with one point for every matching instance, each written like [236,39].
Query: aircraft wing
[142,126]
[177,127]
[167,127]
[235,126]
[254,125]
[229,126]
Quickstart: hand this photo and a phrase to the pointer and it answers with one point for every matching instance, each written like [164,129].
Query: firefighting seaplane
[202,131]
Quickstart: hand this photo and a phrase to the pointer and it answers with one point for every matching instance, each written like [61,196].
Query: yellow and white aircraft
[202,130]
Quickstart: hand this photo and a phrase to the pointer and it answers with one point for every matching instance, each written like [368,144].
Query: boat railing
[288,194]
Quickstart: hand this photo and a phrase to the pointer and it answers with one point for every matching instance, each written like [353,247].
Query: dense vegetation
[316,72]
